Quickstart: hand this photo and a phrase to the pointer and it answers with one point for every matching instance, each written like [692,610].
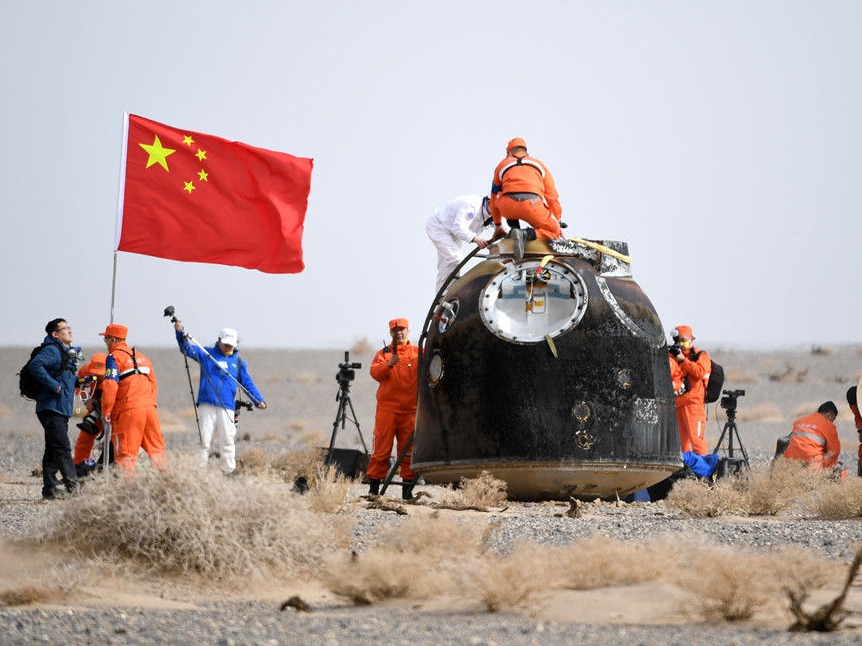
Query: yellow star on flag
[203,175]
[188,141]
[189,187]
[201,154]
[158,154]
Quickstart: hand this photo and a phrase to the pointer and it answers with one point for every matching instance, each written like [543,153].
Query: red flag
[199,198]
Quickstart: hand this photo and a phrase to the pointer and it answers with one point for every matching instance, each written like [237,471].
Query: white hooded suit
[451,228]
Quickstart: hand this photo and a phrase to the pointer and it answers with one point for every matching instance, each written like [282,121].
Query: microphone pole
[169,311]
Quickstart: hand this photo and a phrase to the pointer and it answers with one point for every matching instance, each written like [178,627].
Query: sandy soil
[300,388]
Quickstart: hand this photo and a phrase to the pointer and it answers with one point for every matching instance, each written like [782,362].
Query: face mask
[685,345]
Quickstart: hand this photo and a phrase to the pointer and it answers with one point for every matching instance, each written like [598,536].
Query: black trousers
[58,453]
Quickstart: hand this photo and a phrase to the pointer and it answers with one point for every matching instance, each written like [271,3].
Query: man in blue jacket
[54,367]
[222,372]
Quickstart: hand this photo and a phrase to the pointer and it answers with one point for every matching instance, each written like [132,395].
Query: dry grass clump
[733,584]
[730,584]
[328,489]
[478,493]
[28,593]
[419,559]
[510,581]
[767,490]
[5,411]
[304,462]
[707,500]
[838,500]
[772,490]
[252,460]
[190,520]
[598,562]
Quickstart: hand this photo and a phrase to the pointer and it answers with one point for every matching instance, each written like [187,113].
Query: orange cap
[683,330]
[116,331]
[96,366]
[514,143]
[394,323]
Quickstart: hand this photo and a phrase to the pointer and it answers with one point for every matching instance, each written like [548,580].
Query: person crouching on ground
[814,438]
[396,368]
[222,372]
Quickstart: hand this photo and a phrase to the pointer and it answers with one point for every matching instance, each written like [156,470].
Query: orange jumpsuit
[689,384]
[396,408]
[129,396]
[525,174]
[814,440]
[95,367]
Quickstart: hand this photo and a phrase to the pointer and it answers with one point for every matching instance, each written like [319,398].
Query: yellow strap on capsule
[602,248]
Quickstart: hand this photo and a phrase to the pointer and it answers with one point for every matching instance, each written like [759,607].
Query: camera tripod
[344,403]
[730,431]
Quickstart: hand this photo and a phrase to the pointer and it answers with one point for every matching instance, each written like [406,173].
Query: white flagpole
[120,197]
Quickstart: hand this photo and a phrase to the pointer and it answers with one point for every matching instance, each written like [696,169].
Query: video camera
[90,423]
[347,370]
[169,311]
[729,401]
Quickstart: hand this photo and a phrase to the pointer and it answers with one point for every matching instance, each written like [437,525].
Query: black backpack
[28,385]
[712,392]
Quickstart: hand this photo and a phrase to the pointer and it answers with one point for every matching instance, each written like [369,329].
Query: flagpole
[118,227]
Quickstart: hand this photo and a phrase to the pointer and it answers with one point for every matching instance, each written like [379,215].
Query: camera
[729,401]
[347,370]
[237,407]
[90,423]
[169,311]
[674,349]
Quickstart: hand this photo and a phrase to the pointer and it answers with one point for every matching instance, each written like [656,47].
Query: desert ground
[57,590]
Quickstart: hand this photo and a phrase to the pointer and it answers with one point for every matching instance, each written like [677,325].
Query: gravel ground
[261,621]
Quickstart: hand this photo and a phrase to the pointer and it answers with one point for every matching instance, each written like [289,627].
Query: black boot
[373,487]
[407,490]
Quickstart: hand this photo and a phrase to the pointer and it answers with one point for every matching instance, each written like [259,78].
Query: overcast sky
[721,140]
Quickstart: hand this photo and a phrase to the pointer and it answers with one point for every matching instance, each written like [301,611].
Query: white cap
[228,336]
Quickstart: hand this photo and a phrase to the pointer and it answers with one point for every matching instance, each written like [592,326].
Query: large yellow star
[158,153]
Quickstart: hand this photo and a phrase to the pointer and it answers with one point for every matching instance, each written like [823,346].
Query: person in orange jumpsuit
[857,418]
[396,368]
[690,368]
[129,394]
[523,189]
[814,438]
[92,371]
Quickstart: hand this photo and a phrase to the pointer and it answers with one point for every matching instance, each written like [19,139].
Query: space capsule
[549,370]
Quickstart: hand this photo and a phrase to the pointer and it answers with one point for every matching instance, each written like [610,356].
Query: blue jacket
[44,366]
[216,387]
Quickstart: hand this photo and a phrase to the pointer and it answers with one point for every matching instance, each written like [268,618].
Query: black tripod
[730,431]
[346,374]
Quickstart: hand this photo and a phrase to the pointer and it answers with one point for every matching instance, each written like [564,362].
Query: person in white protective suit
[453,227]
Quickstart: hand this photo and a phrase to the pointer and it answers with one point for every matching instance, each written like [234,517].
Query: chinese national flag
[199,198]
